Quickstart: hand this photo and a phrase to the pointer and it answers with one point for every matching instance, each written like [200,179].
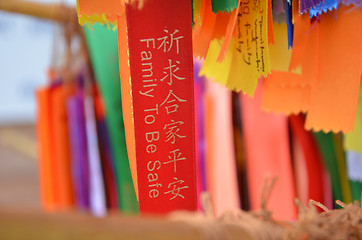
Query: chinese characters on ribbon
[252,37]
[162,86]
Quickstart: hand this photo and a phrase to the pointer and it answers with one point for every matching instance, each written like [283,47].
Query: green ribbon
[332,157]
[103,47]
[223,5]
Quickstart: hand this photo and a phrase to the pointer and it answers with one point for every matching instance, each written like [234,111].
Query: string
[335,224]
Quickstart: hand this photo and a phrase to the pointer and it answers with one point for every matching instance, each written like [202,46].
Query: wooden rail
[55,12]
[30,224]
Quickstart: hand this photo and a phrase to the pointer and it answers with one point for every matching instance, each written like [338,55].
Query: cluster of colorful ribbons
[299,46]
[82,149]
[296,65]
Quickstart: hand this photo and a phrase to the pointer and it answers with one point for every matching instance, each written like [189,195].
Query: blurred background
[26,49]
[36,52]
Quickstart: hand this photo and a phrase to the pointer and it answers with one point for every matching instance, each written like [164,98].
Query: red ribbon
[160,53]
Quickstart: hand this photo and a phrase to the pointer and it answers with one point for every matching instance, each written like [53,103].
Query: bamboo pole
[55,12]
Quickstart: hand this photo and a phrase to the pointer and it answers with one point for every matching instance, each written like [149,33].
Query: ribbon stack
[182,128]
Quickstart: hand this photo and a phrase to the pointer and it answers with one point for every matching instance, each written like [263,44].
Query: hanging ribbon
[161,67]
